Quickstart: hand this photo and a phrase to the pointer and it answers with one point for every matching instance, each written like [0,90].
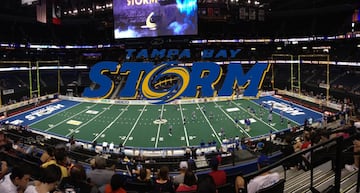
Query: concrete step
[301,182]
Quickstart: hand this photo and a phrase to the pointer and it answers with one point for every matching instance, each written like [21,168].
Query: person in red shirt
[219,176]
[189,183]
[116,185]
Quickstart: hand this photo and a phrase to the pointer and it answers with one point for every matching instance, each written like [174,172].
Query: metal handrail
[338,162]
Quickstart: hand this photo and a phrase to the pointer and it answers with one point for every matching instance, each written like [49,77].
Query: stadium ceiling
[309,7]
[277,7]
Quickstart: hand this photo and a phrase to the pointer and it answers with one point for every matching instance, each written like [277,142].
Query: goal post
[281,61]
[48,75]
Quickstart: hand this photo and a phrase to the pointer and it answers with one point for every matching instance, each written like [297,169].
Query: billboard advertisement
[152,18]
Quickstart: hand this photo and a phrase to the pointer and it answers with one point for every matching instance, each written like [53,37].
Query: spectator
[77,181]
[355,165]
[16,181]
[189,183]
[183,167]
[4,169]
[288,149]
[17,146]
[5,144]
[47,155]
[116,185]
[99,175]
[261,181]
[60,161]
[48,182]
[219,176]
[141,183]
[143,175]
[206,184]
[163,182]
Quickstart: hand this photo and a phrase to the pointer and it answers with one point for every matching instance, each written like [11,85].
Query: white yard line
[57,124]
[255,116]
[185,130]
[158,130]
[216,135]
[132,129]
[71,132]
[108,126]
[232,119]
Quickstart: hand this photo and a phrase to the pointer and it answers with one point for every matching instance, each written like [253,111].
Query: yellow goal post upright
[319,60]
[282,61]
[7,66]
[51,66]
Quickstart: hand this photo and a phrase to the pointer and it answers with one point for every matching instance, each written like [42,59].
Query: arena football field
[169,125]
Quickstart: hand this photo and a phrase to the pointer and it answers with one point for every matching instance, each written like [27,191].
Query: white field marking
[107,127]
[185,130]
[232,109]
[214,132]
[57,124]
[49,115]
[233,120]
[92,112]
[132,129]
[74,122]
[77,129]
[158,130]
[256,117]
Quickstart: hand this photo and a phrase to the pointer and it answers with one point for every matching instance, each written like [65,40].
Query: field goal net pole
[40,65]
[281,58]
[316,59]
[13,64]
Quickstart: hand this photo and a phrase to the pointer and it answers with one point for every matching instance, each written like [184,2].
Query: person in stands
[183,167]
[16,181]
[77,181]
[189,183]
[4,169]
[99,175]
[259,182]
[219,176]
[206,184]
[48,181]
[116,185]
[163,182]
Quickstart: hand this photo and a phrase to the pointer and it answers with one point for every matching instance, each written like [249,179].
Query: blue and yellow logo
[168,81]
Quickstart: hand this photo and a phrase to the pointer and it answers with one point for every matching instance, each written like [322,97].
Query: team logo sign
[168,81]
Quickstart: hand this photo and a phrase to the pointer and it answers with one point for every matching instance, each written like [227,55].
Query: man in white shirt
[261,181]
[16,181]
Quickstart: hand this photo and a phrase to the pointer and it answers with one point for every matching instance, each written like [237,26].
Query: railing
[337,157]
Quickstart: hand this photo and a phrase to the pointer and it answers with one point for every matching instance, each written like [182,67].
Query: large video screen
[152,18]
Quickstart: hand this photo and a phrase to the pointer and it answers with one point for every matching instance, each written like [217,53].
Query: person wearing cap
[99,175]
[219,176]
[183,167]
[259,182]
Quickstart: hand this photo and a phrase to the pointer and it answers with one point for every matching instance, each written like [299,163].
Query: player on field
[170,130]
[247,124]
[270,117]
[281,117]
[193,115]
